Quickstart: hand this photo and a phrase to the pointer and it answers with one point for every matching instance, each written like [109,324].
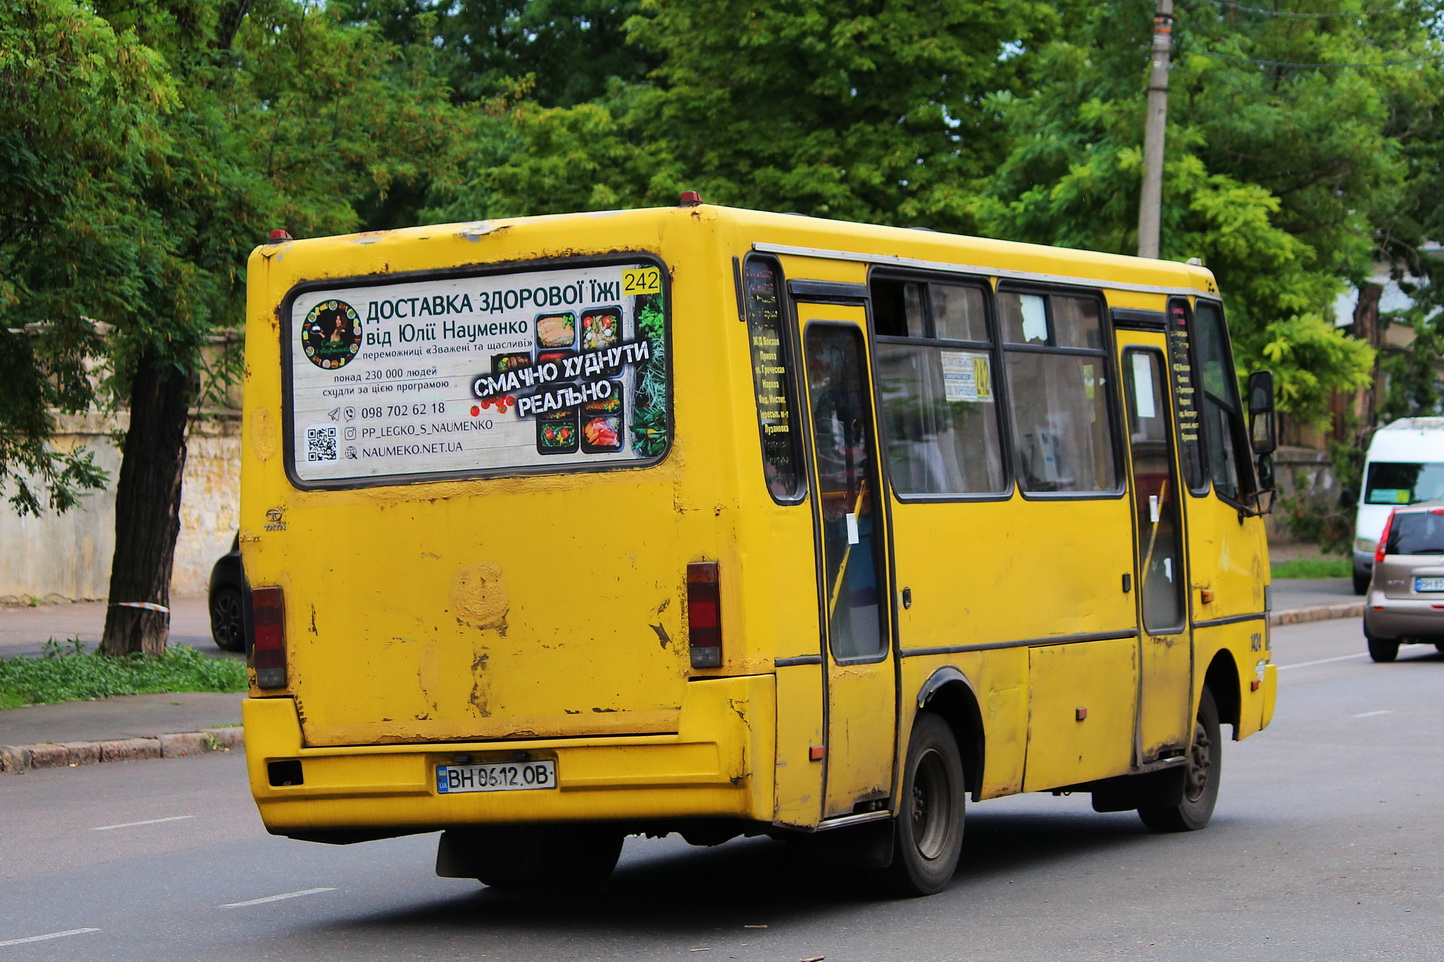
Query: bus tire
[532,860]
[928,828]
[1190,801]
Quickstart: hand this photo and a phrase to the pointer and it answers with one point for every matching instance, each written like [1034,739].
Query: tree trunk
[147,510]
[1368,328]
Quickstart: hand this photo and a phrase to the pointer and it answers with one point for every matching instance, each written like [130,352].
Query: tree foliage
[80,109]
[1287,168]
[146,145]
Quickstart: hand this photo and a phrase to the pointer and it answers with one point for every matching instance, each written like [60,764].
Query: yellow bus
[721,522]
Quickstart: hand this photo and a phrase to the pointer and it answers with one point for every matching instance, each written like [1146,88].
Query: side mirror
[1266,472]
[1263,431]
[1264,500]
[1348,500]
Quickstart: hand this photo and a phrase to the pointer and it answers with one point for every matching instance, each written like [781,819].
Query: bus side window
[934,361]
[1057,392]
[1180,359]
[1224,436]
[772,379]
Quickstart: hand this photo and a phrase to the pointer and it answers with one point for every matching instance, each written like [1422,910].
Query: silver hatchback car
[1406,594]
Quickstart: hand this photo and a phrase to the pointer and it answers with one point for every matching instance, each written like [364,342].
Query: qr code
[321,443]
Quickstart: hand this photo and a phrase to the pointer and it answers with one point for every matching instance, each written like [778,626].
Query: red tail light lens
[1383,539]
[268,655]
[704,614]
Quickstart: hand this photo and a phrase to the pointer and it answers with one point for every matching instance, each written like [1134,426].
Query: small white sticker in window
[966,376]
[1144,403]
[1035,318]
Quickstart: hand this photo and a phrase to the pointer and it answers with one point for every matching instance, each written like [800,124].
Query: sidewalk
[112,729]
[168,726]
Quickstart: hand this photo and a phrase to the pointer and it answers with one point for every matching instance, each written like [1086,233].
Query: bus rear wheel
[928,829]
[1189,802]
[531,860]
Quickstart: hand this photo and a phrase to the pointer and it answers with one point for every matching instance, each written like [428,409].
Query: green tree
[853,110]
[563,52]
[1285,169]
[80,111]
[153,146]
[842,109]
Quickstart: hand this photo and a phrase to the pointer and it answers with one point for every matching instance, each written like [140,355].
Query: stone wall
[68,556]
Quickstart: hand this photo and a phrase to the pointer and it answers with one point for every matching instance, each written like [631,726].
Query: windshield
[1404,482]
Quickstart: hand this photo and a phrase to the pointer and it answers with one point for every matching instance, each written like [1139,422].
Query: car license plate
[1429,584]
[496,777]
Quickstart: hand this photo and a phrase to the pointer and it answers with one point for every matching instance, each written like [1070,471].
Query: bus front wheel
[928,829]
[1189,802]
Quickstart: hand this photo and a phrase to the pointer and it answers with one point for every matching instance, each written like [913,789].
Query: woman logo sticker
[331,334]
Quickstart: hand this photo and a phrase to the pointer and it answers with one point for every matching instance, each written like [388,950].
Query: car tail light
[1383,539]
[268,654]
[704,614]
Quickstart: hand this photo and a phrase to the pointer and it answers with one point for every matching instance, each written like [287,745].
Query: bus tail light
[268,654]
[1383,539]
[704,614]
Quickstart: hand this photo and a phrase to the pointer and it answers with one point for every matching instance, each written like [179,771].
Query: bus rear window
[452,376]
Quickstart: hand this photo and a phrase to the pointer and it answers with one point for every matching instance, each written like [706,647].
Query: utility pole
[1151,201]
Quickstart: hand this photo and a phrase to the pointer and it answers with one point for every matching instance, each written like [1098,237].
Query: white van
[1405,465]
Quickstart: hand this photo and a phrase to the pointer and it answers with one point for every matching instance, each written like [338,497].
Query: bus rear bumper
[708,769]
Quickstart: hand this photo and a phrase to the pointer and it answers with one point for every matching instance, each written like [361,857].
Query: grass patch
[69,673]
[1313,568]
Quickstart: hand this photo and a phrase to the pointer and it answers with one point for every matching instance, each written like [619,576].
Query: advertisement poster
[458,376]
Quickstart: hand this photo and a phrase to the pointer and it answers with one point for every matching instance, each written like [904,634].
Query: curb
[15,759]
[1324,613]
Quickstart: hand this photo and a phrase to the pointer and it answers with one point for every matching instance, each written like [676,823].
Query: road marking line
[275,898]
[46,938]
[1371,714]
[152,821]
[1322,661]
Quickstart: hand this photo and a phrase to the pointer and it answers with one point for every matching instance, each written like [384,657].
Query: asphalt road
[1325,846]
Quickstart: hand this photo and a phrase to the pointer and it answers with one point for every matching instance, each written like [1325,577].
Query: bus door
[1165,655]
[852,544]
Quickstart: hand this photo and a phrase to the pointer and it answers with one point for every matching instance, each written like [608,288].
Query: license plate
[496,777]
[1429,584]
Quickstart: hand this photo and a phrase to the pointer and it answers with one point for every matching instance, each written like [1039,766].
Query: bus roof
[806,236]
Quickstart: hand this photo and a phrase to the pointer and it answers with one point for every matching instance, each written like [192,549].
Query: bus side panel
[799,730]
[999,681]
[1017,572]
[1227,558]
[1230,560]
[993,572]
[1081,714]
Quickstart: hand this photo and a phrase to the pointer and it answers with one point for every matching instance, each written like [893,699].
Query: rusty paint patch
[263,433]
[662,635]
[428,673]
[479,596]
[480,692]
